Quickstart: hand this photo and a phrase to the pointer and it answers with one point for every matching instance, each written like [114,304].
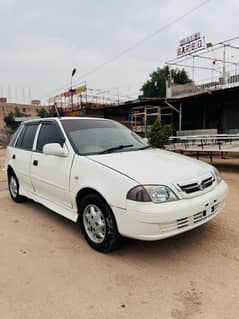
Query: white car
[102,175]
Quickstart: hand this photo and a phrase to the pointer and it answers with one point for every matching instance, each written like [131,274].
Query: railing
[180,90]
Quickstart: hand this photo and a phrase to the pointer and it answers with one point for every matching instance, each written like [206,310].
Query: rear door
[21,156]
[50,174]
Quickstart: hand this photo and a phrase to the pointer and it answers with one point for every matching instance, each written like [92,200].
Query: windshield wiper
[144,147]
[115,148]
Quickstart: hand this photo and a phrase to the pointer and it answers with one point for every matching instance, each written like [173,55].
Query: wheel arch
[10,170]
[115,237]
[86,191]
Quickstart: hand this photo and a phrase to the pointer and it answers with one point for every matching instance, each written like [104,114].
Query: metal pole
[224,64]
[193,68]
[56,109]
[71,93]
[118,96]
[180,117]
[145,120]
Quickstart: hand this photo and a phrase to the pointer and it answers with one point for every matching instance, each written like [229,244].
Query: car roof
[63,118]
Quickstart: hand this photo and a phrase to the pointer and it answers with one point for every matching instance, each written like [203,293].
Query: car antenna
[56,109]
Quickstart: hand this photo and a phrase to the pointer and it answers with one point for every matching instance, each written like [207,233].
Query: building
[27,109]
[212,110]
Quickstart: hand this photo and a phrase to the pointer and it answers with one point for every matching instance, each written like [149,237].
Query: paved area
[48,271]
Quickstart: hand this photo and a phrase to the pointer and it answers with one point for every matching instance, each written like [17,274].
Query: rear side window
[14,137]
[49,133]
[20,137]
[27,136]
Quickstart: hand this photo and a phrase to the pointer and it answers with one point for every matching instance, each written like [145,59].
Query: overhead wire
[139,42]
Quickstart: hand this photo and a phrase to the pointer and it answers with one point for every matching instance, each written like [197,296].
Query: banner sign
[81,89]
[69,93]
[75,91]
[191,44]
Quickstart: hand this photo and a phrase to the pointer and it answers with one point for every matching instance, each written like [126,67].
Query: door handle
[35,163]
[13,156]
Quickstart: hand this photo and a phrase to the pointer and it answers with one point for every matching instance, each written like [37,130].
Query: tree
[159,134]
[18,113]
[156,85]
[42,113]
[9,119]
[10,122]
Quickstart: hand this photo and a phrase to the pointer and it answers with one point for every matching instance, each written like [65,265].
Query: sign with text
[191,44]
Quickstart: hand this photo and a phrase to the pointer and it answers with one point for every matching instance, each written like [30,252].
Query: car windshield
[89,136]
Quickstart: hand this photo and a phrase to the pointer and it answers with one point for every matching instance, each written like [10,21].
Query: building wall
[28,109]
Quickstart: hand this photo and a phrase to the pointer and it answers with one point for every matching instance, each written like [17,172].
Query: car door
[50,174]
[21,156]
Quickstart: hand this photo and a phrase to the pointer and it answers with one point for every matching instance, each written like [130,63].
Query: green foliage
[10,124]
[42,113]
[156,85]
[18,113]
[159,134]
[10,119]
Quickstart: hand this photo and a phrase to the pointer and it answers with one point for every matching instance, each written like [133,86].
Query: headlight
[154,193]
[217,176]
[139,194]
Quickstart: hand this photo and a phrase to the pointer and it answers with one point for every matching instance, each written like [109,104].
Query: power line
[146,38]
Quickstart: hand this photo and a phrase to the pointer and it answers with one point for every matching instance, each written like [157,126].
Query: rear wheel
[13,186]
[98,223]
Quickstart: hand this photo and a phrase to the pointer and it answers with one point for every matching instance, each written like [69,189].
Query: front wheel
[98,224]
[13,186]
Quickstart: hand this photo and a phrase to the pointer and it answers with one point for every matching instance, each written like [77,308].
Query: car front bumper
[151,221]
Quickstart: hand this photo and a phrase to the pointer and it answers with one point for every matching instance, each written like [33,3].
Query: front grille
[182,222]
[197,186]
[190,220]
[198,217]
[174,225]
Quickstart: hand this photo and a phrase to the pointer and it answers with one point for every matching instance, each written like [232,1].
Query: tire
[98,224]
[13,186]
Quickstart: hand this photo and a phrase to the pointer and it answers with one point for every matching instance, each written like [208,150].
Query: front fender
[111,184]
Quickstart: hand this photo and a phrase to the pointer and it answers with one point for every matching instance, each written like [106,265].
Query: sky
[42,41]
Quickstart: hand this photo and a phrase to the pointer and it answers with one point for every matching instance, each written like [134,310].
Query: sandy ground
[48,271]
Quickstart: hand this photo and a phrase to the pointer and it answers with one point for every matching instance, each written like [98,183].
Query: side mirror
[146,139]
[55,149]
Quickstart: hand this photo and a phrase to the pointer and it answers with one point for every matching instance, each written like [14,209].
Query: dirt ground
[48,271]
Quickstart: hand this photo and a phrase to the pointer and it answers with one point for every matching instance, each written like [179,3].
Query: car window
[26,138]
[96,136]
[49,133]
[20,137]
[14,136]
[29,136]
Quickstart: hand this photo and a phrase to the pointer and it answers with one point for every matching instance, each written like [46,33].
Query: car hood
[154,166]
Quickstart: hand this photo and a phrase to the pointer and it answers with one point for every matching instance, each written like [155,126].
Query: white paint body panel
[157,221]
[21,161]
[56,181]
[154,166]
[51,178]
